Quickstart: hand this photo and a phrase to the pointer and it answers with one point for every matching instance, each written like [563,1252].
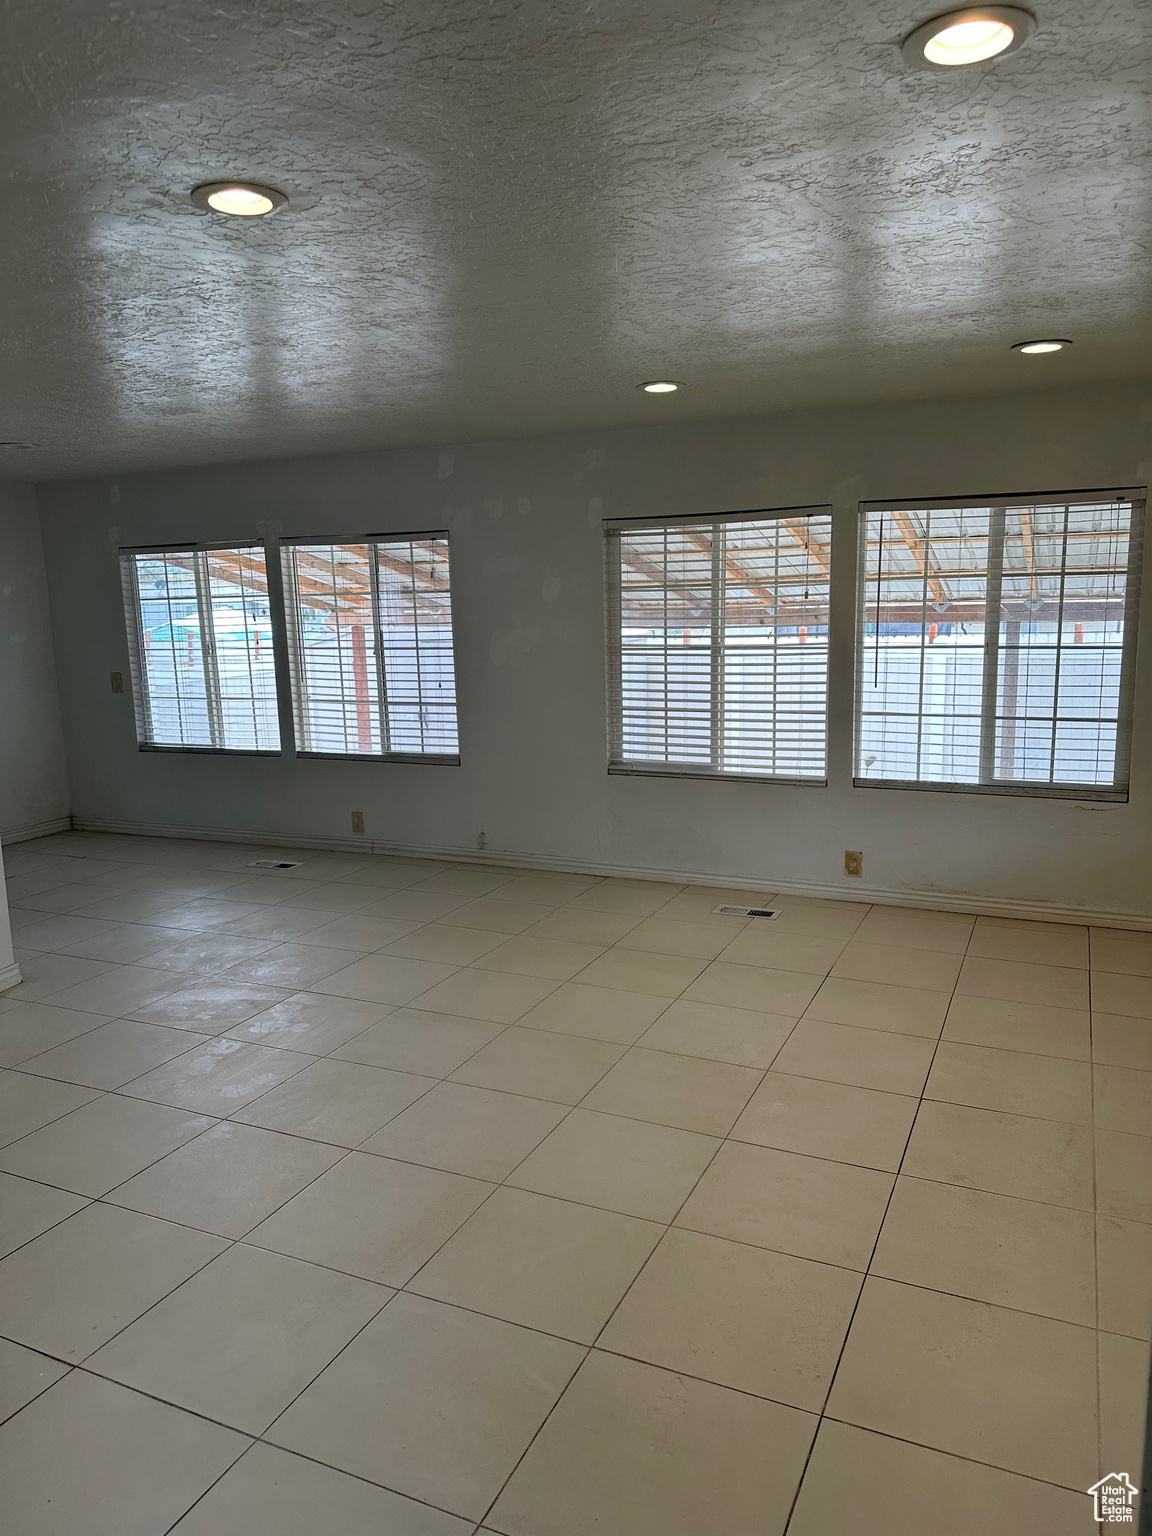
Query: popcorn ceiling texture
[503,216]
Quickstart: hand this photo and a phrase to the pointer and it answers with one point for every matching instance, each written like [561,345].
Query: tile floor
[394,1196]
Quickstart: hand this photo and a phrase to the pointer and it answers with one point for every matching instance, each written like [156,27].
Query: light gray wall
[525,519]
[33,778]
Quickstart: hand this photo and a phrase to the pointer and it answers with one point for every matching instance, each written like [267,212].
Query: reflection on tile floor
[396,1195]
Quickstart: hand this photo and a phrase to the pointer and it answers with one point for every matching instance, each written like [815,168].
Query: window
[370,640]
[997,644]
[718,645]
[203,668]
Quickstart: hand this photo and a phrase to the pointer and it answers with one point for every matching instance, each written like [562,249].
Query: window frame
[297,692]
[617,765]
[138,672]
[1119,791]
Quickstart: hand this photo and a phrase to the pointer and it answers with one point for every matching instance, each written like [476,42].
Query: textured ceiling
[504,215]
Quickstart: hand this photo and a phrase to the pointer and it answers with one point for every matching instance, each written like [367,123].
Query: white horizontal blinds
[202,648]
[997,644]
[370,627]
[719,645]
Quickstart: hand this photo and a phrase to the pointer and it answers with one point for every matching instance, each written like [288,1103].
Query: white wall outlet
[357,821]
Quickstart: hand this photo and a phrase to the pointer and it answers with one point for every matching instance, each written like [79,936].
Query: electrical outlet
[357,821]
[117,682]
[853,862]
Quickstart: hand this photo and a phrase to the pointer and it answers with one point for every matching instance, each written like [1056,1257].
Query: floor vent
[275,864]
[745,912]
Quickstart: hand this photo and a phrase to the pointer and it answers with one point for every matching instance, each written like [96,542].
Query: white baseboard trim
[38,829]
[10,977]
[940,901]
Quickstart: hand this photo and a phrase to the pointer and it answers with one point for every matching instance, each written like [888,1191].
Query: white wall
[525,519]
[33,778]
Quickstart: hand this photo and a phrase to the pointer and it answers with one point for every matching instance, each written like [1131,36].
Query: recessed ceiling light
[967,37]
[1052,344]
[245,199]
[660,387]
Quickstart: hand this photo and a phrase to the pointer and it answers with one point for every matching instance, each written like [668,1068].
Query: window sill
[441,760]
[1015,791]
[161,746]
[655,771]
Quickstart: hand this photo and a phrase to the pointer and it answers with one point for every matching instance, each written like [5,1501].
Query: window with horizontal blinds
[370,642]
[200,636]
[997,643]
[718,645]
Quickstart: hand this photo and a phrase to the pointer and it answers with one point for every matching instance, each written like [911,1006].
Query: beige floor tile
[98,1146]
[240,1339]
[27,1103]
[618,1164]
[1013,1082]
[94,1457]
[540,1262]
[601,928]
[1129,995]
[744,1317]
[218,1078]
[58,932]
[993,1248]
[211,1007]
[631,1448]
[685,1091]
[228,1179]
[1046,1160]
[411,1040]
[1060,986]
[281,923]
[1122,954]
[914,928]
[28,1208]
[982,1382]
[433,1401]
[525,955]
[1116,1041]
[23,1376]
[872,1485]
[928,970]
[1124,1276]
[30,1029]
[540,1064]
[698,903]
[474,1131]
[125,944]
[1124,1175]
[440,942]
[1029,1027]
[467,880]
[384,979]
[330,897]
[999,938]
[272,1493]
[806,1206]
[754,986]
[357,932]
[295,964]
[70,1290]
[637,970]
[668,936]
[113,1054]
[862,1058]
[310,1022]
[638,898]
[205,954]
[875,1005]
[496,914]
[548,886]
[45,976]
[388,873]
[819,919]
[494,996]
[767,945]
[336,1101]
[597,1013]
[1123,1404]
[373,1217]
[1123,1100]
[832,1120]
[417,906]
[738,1035]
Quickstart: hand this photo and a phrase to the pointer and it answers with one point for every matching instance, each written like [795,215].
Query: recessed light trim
[240,199]
[1048,344]
[660,386]
[971,36]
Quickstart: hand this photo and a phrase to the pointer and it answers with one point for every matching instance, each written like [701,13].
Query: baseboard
[38,829]
[10,977]
[940,901]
